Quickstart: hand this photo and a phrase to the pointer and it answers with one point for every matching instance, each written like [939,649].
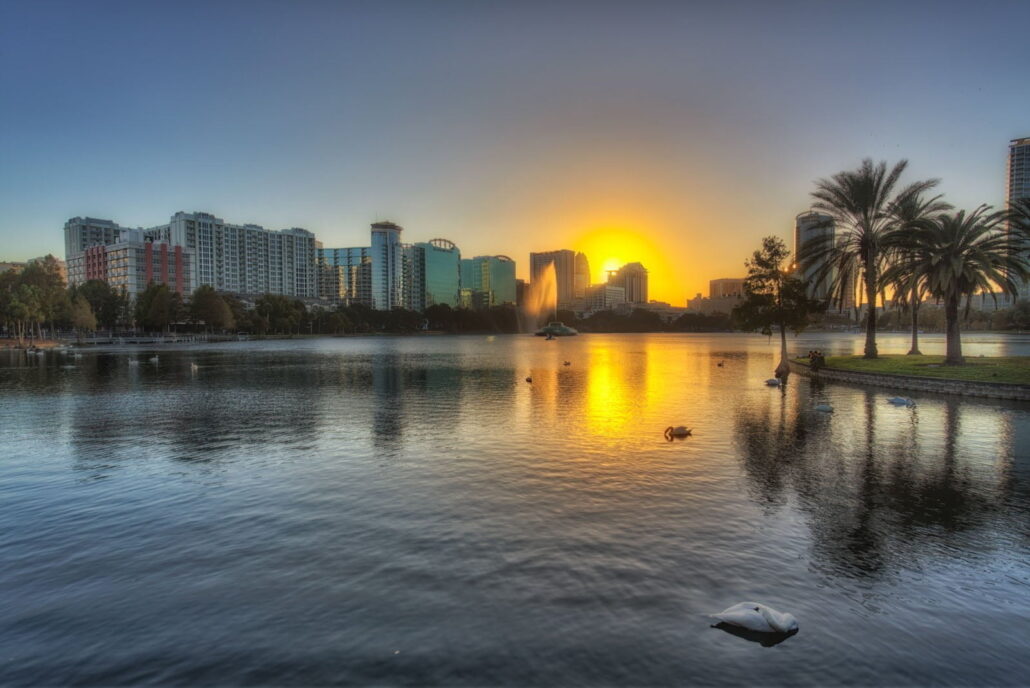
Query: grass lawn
[1014,369]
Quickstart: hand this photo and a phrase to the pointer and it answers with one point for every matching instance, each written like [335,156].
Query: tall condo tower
[813,229]
[442,272]
[1019,181]
[564,271]
[582,278]
[632,277]
[387,266]
[1019,169]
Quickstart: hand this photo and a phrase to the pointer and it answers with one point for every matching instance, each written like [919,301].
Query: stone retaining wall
[994,390]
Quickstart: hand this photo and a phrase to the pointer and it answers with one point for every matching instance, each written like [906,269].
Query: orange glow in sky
[609,248]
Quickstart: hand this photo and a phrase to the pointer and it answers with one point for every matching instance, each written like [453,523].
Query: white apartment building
[241,259]
[244,259]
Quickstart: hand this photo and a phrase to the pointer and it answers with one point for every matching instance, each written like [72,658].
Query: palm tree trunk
[913,303]
[870,321]
[953,337]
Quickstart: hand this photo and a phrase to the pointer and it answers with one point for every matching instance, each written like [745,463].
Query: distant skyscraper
[564,272]
[582,277]
[414,277]
[603,297]
[632,277]
[811,226]
[387,266]
[346,275]
[1019,181]
[726,287]
[1019,169]
[491,280]
[442,272]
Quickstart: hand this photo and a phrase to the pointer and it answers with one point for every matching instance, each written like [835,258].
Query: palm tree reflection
[872,505]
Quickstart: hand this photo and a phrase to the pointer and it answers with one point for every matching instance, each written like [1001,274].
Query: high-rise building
[564,262]
[491,280]
[581,281]
[131,263]
[726,287]
[243,259]
[442,272]
[346,275]
[603,297]
[1019,169]
[812,228]
[1019,181]
[414,277]
[632,277]
[82,232]
[387,266]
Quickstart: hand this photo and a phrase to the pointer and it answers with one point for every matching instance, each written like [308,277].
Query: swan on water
[676,431]
[757,617]
[901,401]
[823,408]
[153,360]
[194,367]
[133,362]
[773,382]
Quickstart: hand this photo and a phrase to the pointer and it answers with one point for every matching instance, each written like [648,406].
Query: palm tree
[905,257]
[968,253]
[859,203]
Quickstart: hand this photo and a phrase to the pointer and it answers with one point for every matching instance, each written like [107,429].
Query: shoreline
[938,385]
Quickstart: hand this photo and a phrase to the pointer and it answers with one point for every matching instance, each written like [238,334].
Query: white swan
[823,408]
[154,360]
[773,382]
[901,401]
[757,617]
[194,367]
[133,362]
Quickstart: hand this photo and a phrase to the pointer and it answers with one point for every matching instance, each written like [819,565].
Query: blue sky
[506,127]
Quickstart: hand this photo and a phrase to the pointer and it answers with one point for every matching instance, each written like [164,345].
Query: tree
[965,254]
[154,307]
[82,316]
[281,313]
[909,212]
[51,296]
[110,305]
[859,203]
[774,298]
[208,307]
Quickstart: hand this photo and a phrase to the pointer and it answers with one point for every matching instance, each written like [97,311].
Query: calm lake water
[411,511]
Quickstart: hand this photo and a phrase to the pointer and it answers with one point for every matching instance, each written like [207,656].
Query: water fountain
[541,308]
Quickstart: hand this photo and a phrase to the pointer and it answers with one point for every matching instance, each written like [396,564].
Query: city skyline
[627,135]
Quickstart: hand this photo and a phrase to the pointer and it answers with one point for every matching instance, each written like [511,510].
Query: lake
[409,510]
